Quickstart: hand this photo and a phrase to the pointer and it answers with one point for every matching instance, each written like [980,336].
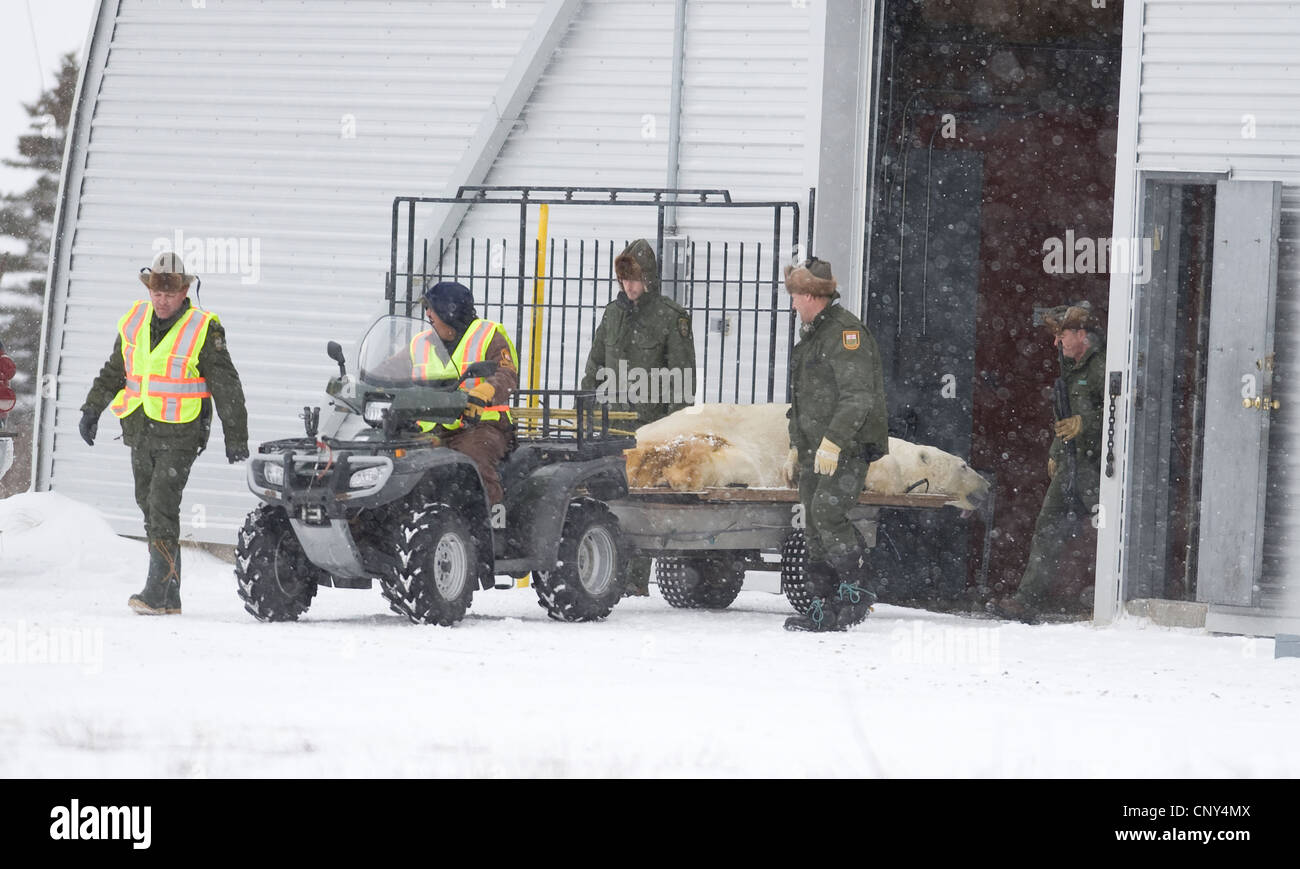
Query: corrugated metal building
[947,139]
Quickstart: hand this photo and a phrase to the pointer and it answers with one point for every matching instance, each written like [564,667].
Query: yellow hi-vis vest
[472,348]
[165,379]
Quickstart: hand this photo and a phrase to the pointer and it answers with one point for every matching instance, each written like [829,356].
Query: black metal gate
[732,286]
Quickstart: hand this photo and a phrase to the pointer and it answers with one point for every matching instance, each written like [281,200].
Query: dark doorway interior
[995,133]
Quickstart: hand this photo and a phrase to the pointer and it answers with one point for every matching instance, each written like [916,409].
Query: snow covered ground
[90,689]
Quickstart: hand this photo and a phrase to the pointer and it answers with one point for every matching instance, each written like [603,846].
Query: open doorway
[993,134]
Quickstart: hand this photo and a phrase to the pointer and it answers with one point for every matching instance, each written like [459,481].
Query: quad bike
[369,496]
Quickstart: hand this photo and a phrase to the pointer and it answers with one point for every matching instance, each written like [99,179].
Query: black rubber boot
[164,573]
[821,616]
[848,602]
[172,602]
[853,597]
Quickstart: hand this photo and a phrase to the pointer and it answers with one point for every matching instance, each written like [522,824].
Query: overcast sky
[33,35]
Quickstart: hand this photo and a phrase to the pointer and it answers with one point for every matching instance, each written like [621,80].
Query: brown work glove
[1068,429]
[1051,468]
[478,398]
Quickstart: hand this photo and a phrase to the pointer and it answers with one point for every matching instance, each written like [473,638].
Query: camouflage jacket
[216,368]
[837,389]
[647,345]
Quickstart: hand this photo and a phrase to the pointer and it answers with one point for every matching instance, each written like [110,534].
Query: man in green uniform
[169,364]
[642,357]
[838,426]
[1064,535]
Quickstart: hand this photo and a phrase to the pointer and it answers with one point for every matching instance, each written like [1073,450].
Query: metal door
[1238,390]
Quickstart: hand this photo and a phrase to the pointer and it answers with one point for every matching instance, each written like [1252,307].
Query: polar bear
[714,445]
[709,445]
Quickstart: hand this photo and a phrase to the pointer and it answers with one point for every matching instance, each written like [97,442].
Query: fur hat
[626,268]
[1067,317]
[637,262]
[812,277]
[167,274]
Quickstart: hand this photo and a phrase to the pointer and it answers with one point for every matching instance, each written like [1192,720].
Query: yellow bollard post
[539,296]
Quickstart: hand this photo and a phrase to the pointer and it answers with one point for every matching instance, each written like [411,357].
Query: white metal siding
[1221,90]
[748,112]
[229,121]
[597,118]
[599,115]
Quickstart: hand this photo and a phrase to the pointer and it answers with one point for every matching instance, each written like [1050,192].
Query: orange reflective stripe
[190,389]
[129,330]
[135,321]
[474,352]
[425,364]
[186,337]
[471,348]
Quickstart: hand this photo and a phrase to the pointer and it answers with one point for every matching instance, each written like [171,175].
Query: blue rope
[852,591]
[815,611]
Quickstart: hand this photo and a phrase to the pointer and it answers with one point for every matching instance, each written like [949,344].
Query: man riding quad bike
[376,493]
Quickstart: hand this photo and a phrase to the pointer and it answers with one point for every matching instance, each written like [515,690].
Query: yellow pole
[539,296]
[535,351]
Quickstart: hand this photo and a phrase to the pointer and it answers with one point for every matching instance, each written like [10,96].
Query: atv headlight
[366,477]
[374,411]
[274,473]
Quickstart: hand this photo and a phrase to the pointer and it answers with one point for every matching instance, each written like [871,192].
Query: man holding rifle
[1064,533]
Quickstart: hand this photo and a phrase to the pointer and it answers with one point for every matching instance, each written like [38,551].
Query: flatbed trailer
[704,541]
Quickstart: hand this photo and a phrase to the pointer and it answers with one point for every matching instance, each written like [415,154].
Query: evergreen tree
[28,218]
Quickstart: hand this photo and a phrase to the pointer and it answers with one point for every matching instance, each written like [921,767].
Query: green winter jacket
[1086,381]
[642,356]
[837,388]
[216,368]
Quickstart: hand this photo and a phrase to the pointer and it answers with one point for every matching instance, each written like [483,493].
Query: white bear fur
[715,445]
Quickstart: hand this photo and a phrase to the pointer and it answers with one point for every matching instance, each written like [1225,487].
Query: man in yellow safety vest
[449,307]
[168,366]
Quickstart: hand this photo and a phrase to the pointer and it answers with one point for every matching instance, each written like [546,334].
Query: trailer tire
[437,566]
[710,582]
[276,580]
[591,574]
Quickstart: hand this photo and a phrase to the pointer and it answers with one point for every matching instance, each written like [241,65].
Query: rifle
[1061,407]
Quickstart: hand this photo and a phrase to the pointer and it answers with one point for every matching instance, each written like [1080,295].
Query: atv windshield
[401,352]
